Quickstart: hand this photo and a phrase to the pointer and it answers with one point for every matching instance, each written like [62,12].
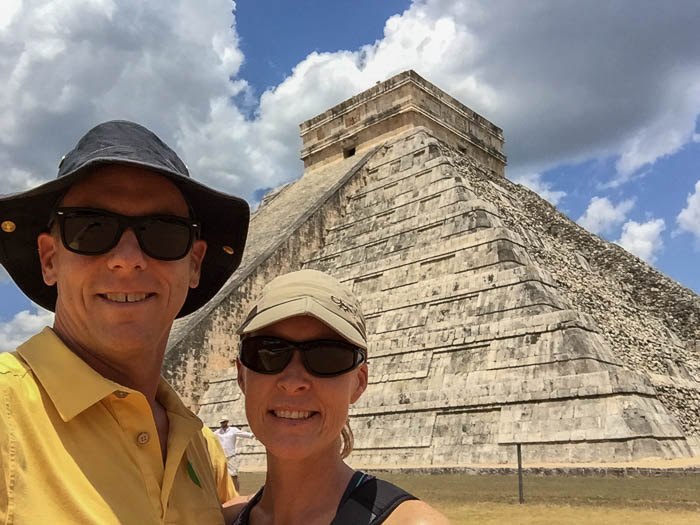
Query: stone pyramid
[493,318]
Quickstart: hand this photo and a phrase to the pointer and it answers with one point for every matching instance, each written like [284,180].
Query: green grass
[548,499]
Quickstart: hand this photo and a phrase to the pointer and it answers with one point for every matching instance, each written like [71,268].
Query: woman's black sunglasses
[321,358]
[92,231]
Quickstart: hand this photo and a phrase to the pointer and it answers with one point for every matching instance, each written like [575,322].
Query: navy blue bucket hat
[23,216]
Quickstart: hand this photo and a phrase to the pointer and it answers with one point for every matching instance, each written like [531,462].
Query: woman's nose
[294,377]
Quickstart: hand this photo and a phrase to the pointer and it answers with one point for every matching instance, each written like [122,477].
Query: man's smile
[120,297]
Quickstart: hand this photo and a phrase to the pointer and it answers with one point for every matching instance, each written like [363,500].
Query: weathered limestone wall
[474,346]
[212,345]
[290,230]
[493,319]
[650,322]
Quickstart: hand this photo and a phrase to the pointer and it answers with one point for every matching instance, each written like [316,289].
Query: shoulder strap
[244,516]
[370,503]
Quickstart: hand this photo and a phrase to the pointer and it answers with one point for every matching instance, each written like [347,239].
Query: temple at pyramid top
[402,102]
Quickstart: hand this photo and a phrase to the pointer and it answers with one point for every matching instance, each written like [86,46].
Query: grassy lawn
[549,499]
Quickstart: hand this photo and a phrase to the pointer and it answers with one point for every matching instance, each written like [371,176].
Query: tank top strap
[244,517]
[357,479]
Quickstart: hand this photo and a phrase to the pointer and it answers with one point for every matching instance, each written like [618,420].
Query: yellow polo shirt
[78,448]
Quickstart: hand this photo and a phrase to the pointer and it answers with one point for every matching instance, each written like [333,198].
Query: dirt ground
[553,499]
[653,462]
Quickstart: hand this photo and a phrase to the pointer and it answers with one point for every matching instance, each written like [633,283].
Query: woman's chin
[299,450]
[290,452]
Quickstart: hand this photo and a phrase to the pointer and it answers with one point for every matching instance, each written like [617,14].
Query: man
[121,243]
[227,436]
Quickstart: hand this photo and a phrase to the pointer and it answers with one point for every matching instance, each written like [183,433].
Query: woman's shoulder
[381,496]
[233,509]
[416,512]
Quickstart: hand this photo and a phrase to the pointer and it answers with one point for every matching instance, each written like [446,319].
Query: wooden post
[520,475]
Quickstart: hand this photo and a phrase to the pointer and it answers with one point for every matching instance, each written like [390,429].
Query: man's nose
[127,254]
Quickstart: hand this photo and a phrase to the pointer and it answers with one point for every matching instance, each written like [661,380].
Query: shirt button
[121,394]
[143,438]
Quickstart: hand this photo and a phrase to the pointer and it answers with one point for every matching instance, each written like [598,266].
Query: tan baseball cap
[309,292]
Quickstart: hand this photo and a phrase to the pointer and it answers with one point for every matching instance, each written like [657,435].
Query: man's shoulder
[18,386]
[12,367]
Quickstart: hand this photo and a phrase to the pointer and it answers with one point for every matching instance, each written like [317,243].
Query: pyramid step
[456,217]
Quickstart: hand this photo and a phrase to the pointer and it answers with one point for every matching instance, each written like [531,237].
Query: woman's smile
[293,414]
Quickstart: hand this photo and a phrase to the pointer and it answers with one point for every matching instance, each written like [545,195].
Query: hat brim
[224,219]
[303,306]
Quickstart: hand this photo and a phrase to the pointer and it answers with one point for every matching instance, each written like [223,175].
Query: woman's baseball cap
[313,293]
[23,216]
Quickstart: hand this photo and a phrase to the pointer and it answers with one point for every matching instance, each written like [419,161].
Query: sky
[598,100]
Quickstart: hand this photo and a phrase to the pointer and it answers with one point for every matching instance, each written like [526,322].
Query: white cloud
[543,188]
[602,215]
[688,219]
[564,87]
[24,325]
[529,67]
[66,65]
[8,10]
[643,239]
[667,132]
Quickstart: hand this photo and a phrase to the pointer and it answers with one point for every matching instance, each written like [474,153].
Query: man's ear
[240,379]
[362,377]
[46,243]
[199,250]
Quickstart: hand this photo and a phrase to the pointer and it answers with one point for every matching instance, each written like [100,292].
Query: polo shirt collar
[73,385]
[69,381]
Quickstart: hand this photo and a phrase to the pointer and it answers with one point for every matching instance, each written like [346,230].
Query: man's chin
[129,337]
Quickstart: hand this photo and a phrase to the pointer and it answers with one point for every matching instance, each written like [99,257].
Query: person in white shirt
[227,436]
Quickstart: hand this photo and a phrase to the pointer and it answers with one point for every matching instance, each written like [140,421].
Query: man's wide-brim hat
[23,216]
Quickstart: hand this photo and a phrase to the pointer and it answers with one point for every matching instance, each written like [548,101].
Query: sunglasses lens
[94,232]
[270,355]
[266,355]
[166,239]
[89,233]
[328,358]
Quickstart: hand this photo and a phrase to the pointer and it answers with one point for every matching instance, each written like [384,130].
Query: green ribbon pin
[193,474]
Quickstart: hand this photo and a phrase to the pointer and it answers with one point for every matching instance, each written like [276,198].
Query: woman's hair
[347,440]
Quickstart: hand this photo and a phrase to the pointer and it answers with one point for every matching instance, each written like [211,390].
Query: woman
[302,362]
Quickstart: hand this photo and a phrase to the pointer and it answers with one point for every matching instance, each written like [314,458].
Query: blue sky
[277,35]
[599,101]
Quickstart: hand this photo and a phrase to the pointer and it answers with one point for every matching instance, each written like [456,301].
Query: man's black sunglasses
[321,358]
[92,231]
